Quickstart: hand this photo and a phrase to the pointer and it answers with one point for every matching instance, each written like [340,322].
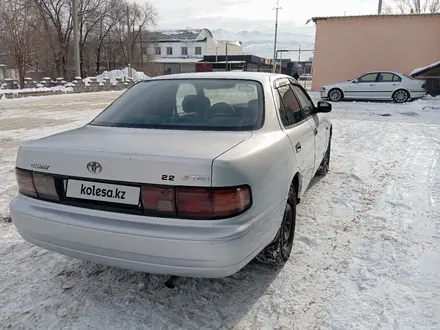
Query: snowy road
[366,255]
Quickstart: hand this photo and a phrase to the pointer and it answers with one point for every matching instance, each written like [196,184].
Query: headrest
[253,104]
[195,104]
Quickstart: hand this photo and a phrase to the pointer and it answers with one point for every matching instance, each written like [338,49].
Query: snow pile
[124,74]
[418,70]
[35,90]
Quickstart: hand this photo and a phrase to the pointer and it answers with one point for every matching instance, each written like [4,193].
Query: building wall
[208,48]
[177,48]
[347,47]
[214,46]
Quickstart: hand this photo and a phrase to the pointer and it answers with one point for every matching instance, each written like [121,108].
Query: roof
[314,19]
[429,70]
[177,60]
[172,35]
[258,76]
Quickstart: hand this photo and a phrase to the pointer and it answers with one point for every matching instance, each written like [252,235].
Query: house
[178,51]
[347,46]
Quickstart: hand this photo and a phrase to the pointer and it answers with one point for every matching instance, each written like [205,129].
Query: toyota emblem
[94,167]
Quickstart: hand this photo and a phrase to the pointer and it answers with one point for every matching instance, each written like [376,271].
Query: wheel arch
[296,182]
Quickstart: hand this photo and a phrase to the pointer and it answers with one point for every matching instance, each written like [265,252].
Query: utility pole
[227,67]
[128,36]
[274,66]
[142,48]
[379,9]
[75,38]
[281,62]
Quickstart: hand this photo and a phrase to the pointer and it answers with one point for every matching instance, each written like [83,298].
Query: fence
[432,86]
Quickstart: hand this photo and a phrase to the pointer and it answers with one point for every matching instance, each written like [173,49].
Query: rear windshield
[198,104]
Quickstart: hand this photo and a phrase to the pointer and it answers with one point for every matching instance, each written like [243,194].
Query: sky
[236,15]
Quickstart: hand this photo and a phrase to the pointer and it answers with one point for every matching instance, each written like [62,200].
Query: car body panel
[265,160]
[131,155]
[154,245]
[378,90]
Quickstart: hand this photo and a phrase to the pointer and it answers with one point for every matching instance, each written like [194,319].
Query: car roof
[257,76]
[385,71]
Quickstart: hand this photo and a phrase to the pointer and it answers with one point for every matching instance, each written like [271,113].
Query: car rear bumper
[417,94]
[154,245]
[323,94]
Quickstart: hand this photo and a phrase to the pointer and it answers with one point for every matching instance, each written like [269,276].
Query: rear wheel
[278,252]
[401,96]
[335,95]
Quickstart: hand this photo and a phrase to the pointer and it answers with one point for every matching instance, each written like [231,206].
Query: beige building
[347,46]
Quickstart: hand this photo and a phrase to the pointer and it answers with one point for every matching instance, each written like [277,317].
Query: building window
[198,50]
[184,50]
[169,50]
[157,50]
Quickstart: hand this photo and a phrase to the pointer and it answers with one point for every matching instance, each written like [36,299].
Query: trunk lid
[172,157]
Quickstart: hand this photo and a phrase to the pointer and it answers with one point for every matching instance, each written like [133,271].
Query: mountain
[261,42]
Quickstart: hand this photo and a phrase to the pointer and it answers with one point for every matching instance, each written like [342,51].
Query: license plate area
[102,192]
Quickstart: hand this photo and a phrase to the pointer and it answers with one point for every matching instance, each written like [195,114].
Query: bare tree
[412,6]
[17,34]
[56,16]
[97,18]
[135,20]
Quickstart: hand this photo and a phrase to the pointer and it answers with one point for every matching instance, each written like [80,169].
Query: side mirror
[322,107]
[355,81]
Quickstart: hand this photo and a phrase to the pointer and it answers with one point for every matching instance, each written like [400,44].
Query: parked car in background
[188,175]
[385,85]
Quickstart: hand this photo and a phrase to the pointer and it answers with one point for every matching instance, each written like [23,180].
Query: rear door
[320,127]
[299,132]
[386,84]
[363,87]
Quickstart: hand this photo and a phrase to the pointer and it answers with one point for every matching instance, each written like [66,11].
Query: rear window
[197,104]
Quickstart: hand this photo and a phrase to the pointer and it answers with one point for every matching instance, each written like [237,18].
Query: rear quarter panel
[266,163]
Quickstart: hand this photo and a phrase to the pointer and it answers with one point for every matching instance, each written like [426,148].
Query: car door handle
[298,147]
[316,131]
[372,85]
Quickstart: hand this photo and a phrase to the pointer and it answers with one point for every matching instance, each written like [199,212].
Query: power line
[277,8]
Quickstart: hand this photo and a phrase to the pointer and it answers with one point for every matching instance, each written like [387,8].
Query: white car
[187,175]
[384,85]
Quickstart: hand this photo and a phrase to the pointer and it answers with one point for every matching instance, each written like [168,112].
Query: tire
[401,96]
[335,95]
[278,252]
[325,164]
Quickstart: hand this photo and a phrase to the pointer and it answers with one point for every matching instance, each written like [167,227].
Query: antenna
[277,8]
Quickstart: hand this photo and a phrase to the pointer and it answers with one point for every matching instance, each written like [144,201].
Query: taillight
[25,183]
[205,203]
[195,203]
[424,85]
[45,186]
[158,199]
[36,185]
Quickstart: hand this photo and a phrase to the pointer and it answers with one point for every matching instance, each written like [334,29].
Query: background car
[384,85]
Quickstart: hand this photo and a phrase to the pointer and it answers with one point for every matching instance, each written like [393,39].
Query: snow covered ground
[366,254]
